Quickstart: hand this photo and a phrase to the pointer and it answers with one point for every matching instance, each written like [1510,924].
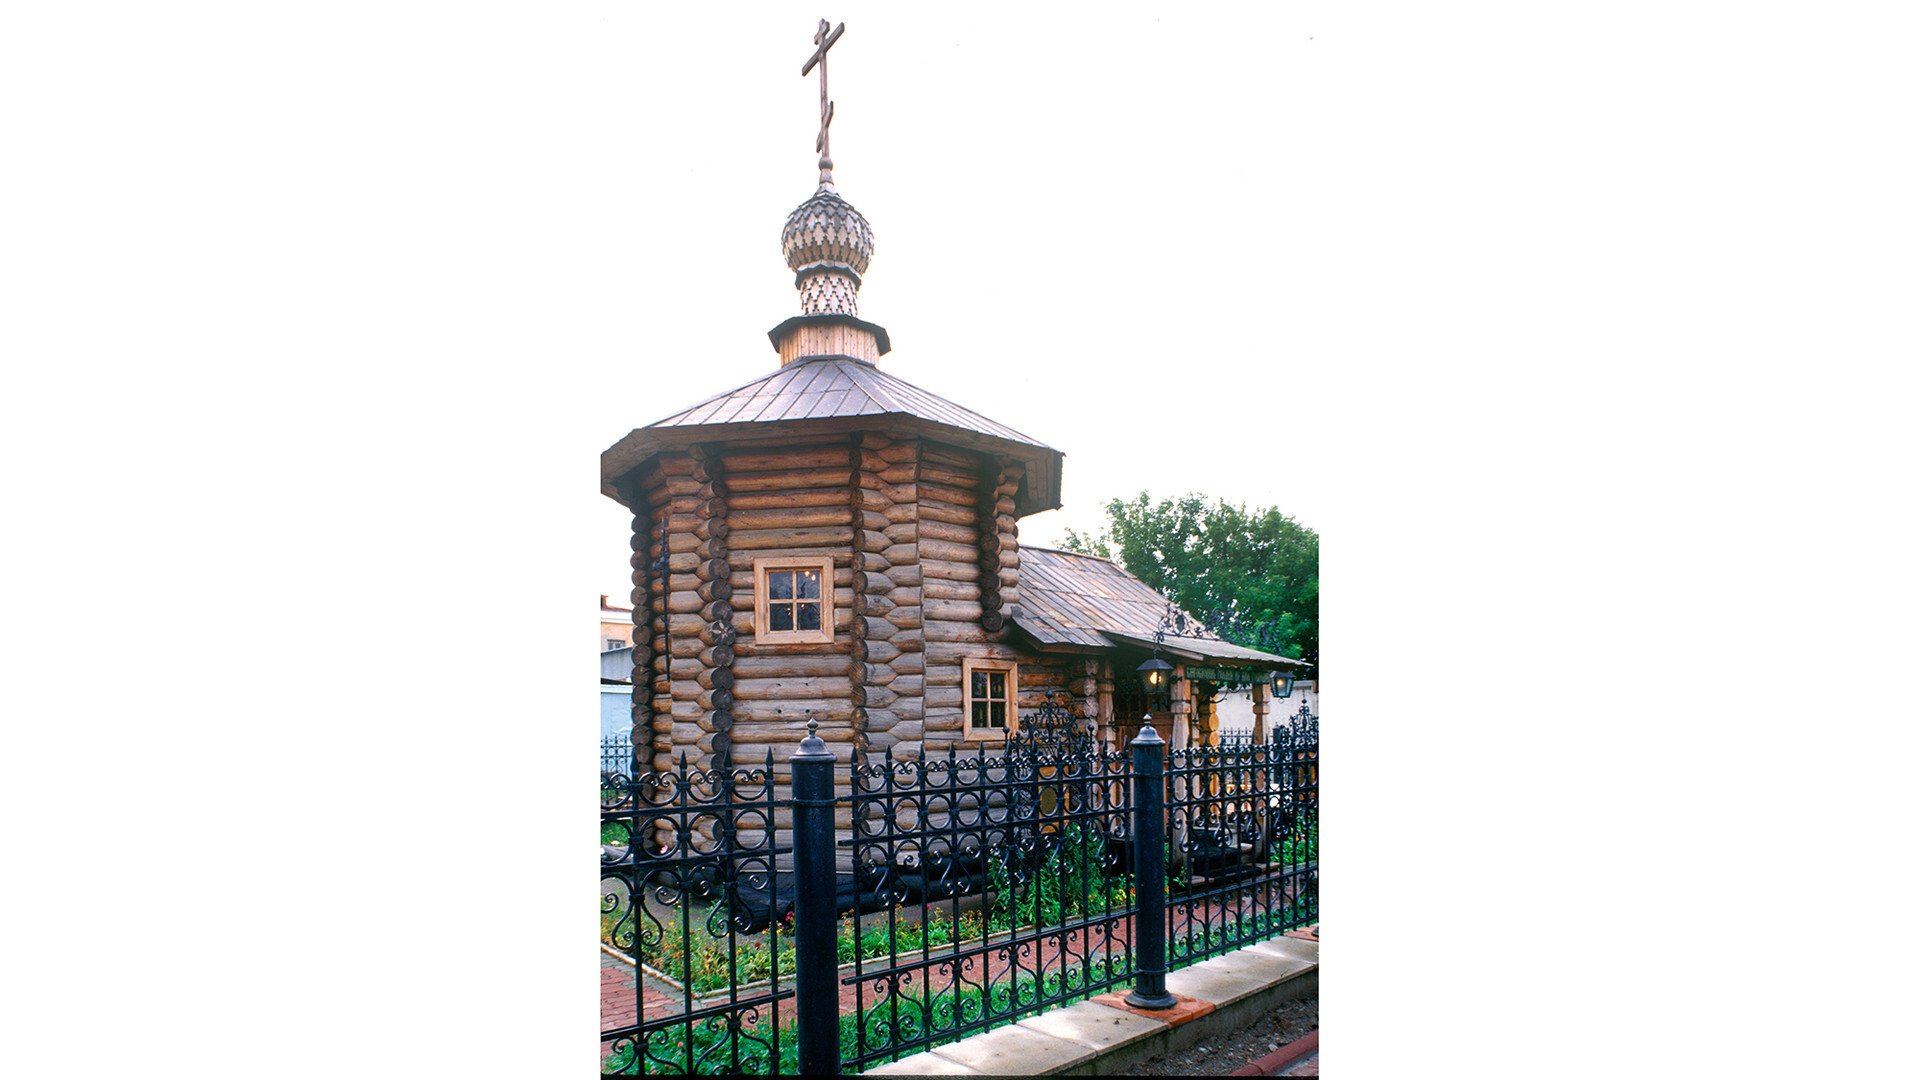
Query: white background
[1582,336]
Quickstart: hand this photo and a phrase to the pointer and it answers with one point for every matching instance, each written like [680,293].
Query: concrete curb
[1219,996]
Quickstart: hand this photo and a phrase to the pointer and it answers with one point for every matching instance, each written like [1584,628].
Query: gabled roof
[839,394]
[1083,600]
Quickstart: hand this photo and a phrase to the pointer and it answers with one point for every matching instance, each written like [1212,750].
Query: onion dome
[828,246]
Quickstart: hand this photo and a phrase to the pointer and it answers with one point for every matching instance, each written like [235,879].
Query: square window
[991,708]
[793,600]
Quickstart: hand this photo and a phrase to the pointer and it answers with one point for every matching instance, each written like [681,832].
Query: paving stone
[1222,984]
[927,1063]
[1016,1051]
[1094,1025]
[1290,947]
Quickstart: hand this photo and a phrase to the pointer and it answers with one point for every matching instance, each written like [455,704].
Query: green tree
[1253,576]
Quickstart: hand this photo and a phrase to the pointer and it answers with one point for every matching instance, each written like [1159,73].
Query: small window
[615,643]
[793,600]
[990,693]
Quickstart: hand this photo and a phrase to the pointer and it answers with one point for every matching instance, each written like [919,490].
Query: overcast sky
[1122,237]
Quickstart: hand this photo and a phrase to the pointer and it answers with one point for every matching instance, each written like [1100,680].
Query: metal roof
[826,387]
[839,394]
[1084,600]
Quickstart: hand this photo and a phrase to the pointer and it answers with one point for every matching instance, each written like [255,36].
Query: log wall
[926,559]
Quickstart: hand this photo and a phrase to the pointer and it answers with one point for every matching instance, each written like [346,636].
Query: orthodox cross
[824,41]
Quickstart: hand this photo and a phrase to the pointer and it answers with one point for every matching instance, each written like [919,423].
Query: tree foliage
[1253,576]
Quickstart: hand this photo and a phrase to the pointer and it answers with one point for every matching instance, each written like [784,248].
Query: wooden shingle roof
[831,394]
[1084,600]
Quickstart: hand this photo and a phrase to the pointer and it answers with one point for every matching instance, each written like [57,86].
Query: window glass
[997,714]
[780,585]
[780,617]
[809,615]
[809,583]
[980,684]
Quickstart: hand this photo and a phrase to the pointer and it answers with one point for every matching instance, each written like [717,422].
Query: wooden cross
[824,41]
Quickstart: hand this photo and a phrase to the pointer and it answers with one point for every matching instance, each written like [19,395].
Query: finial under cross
[824,41]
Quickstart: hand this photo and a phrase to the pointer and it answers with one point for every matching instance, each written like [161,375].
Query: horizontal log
[902,513]
[900,450]
[791,733]
[939,511]
[743,560]
[762,539]
[685,647]
[714,679]
[946,551]
[913,640]
[963,535]
[909,686]
[951,457]
[683,603]
[904,472]
[872,603]
[951,476]
[793,517]
[863,562]
[788,688]
[778,479]
[905,576]
[790,666]
[951,610]
[813,457]
[877,651]
[904,532]
[825,710]
[948,496]
[942,589]
[906,617]
[949,570]
[941,697]
[874,520]
[718,656]
[969,633]
[721,589]
[786,498]
[869,540]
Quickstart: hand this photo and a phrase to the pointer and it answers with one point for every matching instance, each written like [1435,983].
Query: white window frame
[822,636]
[971,664]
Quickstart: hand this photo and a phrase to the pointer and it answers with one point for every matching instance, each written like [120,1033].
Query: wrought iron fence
[1012,892]
[684,856]
[961,894]
[616,756]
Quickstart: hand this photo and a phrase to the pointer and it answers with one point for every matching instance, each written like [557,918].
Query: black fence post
[1149,872]
[816,956]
